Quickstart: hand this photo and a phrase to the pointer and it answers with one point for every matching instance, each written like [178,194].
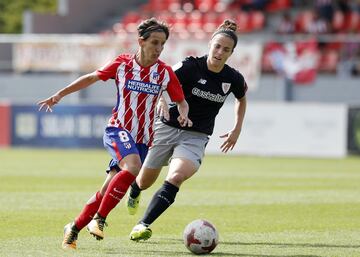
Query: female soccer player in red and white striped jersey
[140,80]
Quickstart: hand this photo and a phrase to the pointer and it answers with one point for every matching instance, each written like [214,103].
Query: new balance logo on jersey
[202,81]
[143,87]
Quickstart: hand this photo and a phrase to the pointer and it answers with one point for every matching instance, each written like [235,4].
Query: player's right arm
[78,84]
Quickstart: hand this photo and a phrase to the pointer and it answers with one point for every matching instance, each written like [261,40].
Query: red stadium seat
[243,21]
[302,20]
[278,5]
[352,20]
[180,22]
[205,5]
[338,21]
[328,61]
[210,21]
[130,21]
[195,21]
[166,16]
[257,21]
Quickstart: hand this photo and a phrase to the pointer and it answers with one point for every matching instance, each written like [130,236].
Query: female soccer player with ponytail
[140,80]
[206,82]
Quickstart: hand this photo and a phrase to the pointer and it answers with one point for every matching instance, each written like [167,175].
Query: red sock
[115,192]
[88,211]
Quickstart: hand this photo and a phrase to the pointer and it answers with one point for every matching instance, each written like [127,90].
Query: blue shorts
[119,143]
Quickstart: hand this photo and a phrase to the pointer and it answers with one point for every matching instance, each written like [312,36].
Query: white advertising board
[78,54]
[286,129]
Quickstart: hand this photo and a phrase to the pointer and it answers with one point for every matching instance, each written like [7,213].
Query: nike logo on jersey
[202,81]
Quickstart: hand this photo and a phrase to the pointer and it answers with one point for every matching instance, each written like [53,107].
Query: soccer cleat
[70,236]
[140,232]
[133,204]
[96,227]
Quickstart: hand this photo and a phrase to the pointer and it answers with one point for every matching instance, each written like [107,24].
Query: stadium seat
[130,21]
[210,21]
[243,21]
[302,20]
[328,61]
[257,21]
[338,21]
[352,20]
[278,5]
[166,16]
[195,21]
[205,5]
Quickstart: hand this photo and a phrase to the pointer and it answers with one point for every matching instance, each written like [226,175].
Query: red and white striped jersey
[138,91]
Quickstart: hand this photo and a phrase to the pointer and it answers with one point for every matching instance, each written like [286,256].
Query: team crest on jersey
[225,87]
[155,75]
[127,145]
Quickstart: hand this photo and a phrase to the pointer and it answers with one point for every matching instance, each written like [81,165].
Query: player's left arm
[232,136]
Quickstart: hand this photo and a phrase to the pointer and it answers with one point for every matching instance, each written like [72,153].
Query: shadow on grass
[187,253]
[177,241]
[294,245]
[216,253]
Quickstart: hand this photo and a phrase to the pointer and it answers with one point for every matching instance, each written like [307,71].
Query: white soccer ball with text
[200,236]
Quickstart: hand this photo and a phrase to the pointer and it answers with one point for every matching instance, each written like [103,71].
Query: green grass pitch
[262,207]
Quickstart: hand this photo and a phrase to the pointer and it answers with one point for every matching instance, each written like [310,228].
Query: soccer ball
[200,236]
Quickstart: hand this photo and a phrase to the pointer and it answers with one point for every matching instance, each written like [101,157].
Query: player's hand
[230,141]
[163,109]
[49,103]
[184,121]
[183,118]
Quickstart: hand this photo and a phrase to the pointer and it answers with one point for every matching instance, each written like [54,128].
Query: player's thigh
[123,149]
[131,163]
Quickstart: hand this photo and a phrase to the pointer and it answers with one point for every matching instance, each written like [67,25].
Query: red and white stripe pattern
[138,90]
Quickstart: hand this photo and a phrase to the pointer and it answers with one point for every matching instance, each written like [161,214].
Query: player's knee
[133,167]
[177,179]
[144,183]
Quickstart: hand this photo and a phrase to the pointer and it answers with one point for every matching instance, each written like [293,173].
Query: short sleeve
[174,89]
[241,87]
[183,69]
[108,71]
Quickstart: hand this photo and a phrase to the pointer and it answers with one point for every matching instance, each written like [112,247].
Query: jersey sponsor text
[209,96]
[143,87]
